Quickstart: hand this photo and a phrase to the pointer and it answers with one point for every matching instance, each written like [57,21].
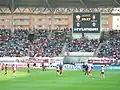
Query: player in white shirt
[0,67]
[102,72]
[90,70]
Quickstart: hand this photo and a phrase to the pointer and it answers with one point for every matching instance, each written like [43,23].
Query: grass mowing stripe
[70,80]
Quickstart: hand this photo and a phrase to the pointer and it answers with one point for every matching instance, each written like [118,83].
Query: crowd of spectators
[82,45]
[111,46]
[48,43]
[17,43]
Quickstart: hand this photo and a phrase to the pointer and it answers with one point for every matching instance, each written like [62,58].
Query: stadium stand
[83,45]
[110,48]
[17,43]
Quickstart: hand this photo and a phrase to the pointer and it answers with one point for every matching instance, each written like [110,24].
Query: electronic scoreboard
[86,22]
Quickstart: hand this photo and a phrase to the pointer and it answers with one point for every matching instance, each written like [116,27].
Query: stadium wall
[21,62]
[60,21]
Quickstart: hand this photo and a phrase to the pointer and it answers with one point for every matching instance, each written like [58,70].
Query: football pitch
[49,80]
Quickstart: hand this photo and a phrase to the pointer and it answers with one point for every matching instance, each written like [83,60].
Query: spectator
[82,45]
[110,47]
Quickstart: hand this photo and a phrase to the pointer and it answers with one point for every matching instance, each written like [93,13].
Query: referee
[28,67]
[5,69]
[83,67]
[86,69]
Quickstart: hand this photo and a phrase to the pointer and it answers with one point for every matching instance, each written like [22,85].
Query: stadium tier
[20,43]
[111,46]
[83,45]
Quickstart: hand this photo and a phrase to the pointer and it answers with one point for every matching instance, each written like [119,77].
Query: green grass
[70,80]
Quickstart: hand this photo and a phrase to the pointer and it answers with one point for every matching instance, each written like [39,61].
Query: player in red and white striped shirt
[2,67]
[14,70]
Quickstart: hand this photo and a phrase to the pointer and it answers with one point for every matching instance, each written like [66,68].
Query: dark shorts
[102,72]
[57,70]
[34,65]
[86,70]
[13,71]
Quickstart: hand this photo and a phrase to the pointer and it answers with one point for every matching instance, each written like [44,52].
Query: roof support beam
[49,6]
[12,6]
[116,2]
[12,12]
[81,1]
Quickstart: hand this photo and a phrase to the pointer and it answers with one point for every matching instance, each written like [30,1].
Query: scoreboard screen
[86,22]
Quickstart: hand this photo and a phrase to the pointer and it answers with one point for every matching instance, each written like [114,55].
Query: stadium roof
[60,3]
[59,6]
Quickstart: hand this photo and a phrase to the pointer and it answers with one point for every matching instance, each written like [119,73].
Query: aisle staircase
[63,50]
[98,49]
